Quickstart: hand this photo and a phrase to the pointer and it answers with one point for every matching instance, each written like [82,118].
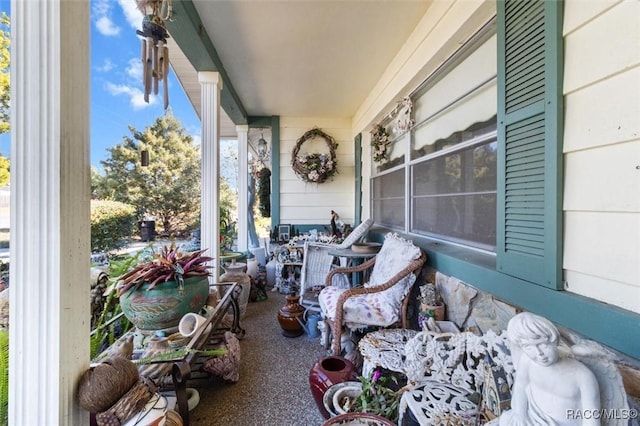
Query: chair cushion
[394,256]
[360,311]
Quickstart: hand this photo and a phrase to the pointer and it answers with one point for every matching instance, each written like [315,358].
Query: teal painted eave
[610,325]
[187,30]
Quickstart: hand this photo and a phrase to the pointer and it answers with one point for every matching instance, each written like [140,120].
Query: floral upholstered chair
[382,301]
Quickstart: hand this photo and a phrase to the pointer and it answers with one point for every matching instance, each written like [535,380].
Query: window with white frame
[441,177]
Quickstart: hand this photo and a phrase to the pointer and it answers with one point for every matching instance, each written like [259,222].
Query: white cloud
[136,96]
[134,69]
[106,27]
[131,13]
[106,66]
[103,21]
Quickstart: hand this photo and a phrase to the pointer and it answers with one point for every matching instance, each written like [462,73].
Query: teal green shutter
[530,114]
[357,218]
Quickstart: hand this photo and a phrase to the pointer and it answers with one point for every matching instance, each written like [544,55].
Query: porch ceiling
[289,58]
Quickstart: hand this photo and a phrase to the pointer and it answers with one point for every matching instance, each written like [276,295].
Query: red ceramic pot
[327,372]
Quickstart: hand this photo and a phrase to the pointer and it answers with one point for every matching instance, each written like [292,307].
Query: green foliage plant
[264,192]
[169,264]
[112,223]
[377,397]
[111,324]
[227,230]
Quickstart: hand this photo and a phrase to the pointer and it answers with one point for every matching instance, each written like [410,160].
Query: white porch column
[243,182]
[211,85]
[49,296]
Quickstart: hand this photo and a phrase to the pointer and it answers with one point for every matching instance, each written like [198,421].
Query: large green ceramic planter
[163,307]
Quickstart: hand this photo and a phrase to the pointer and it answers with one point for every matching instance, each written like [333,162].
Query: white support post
[243,182]
[49,297]
[211,85]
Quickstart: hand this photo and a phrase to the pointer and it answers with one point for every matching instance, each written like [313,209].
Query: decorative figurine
[554,388]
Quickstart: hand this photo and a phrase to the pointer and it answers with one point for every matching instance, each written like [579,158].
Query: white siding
[309,203]
[602,151]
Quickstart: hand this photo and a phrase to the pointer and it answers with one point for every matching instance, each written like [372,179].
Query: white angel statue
[553,388]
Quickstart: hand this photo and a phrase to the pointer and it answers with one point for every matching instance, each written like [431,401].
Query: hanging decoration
[264,192]
[315,167]
[397,122]
[155,53]
[402,113]
[380,144]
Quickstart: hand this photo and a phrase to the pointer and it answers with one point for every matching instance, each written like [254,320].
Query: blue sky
[116,81]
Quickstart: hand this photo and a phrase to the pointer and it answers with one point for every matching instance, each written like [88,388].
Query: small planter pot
[435,311]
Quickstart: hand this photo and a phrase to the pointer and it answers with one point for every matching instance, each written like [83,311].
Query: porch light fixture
[262,148]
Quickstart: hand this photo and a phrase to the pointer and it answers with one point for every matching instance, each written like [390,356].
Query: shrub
[112,222]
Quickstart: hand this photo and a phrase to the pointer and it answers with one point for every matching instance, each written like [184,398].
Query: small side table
[353,259]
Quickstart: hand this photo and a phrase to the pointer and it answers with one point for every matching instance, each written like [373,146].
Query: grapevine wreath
[315,167]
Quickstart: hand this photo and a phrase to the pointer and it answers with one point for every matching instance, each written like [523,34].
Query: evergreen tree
[168,189]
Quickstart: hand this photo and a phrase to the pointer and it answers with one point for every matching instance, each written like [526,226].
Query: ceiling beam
[188,32]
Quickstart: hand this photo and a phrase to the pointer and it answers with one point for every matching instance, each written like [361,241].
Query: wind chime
[155,53]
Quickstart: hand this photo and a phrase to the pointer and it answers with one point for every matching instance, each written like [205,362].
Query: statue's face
[544,352]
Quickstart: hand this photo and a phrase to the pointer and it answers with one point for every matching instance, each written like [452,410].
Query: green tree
[4,171]
[5,61]
[168,189]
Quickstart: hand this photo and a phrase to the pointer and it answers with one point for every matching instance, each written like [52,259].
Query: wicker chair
[383,300]
[317,263]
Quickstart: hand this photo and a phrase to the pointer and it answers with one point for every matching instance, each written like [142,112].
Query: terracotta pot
[435,311]
[290,317]
[327,372]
